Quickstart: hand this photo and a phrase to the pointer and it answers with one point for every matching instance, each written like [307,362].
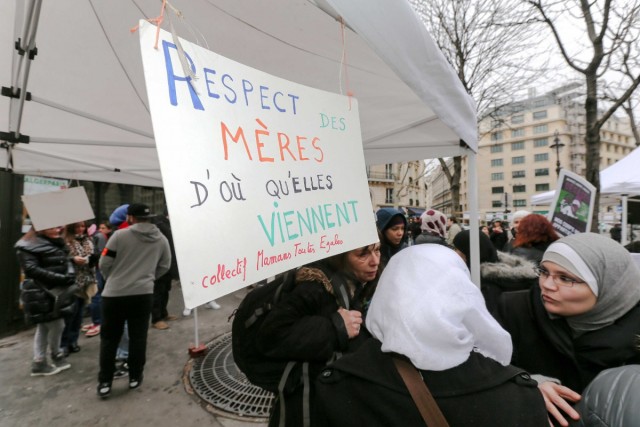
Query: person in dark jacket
[44,258]
[314,323]
[535,234]
[498,235]
[433,224]
[162,285]
[392,228]
[581,318]
[499,272]
[440,324]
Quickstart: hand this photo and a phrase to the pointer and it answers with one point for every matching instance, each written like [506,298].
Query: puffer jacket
[47,264]
[511,273]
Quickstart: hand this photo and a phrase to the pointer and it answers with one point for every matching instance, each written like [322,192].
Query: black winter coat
[306,326]
[510,273]
[533,253]
[545,346]
[365,389]
[47,263]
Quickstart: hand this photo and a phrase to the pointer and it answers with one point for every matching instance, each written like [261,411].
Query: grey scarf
[608,270]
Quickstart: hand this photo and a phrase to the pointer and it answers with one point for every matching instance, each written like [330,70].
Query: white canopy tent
[618,181]
[81,101]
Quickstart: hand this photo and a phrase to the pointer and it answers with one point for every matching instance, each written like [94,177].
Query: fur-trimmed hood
[511,268]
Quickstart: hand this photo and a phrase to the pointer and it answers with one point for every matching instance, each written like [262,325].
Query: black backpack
[261,370]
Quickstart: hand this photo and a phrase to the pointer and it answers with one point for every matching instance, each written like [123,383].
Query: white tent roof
[622,177]
[88,116]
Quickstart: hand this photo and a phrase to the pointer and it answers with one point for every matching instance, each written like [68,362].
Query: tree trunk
[592,144]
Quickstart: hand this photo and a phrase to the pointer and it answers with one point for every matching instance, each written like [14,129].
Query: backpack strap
[281,384]
[306,418]
[340,290]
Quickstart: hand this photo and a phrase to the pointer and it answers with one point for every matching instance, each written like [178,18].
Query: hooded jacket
[133,258]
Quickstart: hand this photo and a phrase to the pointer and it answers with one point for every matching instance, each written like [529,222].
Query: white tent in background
[86,114]
[87,117]
[618,181]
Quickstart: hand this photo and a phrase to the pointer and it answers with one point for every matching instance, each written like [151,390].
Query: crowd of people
[536,344]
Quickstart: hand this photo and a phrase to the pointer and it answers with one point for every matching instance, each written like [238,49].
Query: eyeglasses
[558,279]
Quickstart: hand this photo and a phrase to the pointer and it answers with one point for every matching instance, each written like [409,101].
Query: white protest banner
[260,174]
[56,208]
[572,207]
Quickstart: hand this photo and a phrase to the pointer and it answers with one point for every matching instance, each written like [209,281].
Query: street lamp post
[557,145]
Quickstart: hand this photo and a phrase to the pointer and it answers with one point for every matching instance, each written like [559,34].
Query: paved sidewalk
[69,398]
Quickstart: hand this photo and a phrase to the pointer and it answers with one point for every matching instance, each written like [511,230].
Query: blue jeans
[72,325]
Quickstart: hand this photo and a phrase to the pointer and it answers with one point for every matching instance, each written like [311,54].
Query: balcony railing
[381,176]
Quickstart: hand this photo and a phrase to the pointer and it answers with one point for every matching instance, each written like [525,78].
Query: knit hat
[384,218]
[426,308]
[434,222]
[119,215]
[609,271]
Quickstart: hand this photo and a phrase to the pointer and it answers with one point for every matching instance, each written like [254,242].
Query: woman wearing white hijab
[581,318]
[426,309]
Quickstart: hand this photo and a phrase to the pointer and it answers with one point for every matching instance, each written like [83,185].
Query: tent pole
[474,226]
[623,238]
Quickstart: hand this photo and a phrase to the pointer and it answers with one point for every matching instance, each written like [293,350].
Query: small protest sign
[572,207]
[260,174]
[56,208]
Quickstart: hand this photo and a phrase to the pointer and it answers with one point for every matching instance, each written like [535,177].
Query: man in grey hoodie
[133,258]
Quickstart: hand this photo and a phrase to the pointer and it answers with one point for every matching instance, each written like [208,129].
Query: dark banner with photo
[572,208]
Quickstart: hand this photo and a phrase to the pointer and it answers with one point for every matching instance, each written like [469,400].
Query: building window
[517,145]
[542,172]
[497,190]
[540,103]
[540,142]
[517,160]
[496,203]
[519,188]
[517,132]
[498,176]
[410,202]
[517,174]
[388,171]
[540,129]
[496,148]
[517,203]
[538,115]
[518,118]
[541,157]
[496,136]
[542,187]
[496,162]
[389,196]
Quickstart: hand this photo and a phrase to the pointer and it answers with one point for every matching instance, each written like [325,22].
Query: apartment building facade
[522,143]
[399,185]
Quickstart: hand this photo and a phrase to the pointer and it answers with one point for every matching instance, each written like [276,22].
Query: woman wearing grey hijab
[582,317]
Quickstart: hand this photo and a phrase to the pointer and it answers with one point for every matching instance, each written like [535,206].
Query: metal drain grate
[217,380]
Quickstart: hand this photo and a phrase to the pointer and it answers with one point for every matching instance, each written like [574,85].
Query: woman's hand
[555,398]
[352,321]
[79,260]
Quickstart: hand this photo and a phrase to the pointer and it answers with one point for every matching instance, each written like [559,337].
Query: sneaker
[122,371]
[86,327]
[104,390]
[213,305]
[42,368]
[135,382]
[60,362]
[162,325]
[171,317]
[186,312]
[93,331]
